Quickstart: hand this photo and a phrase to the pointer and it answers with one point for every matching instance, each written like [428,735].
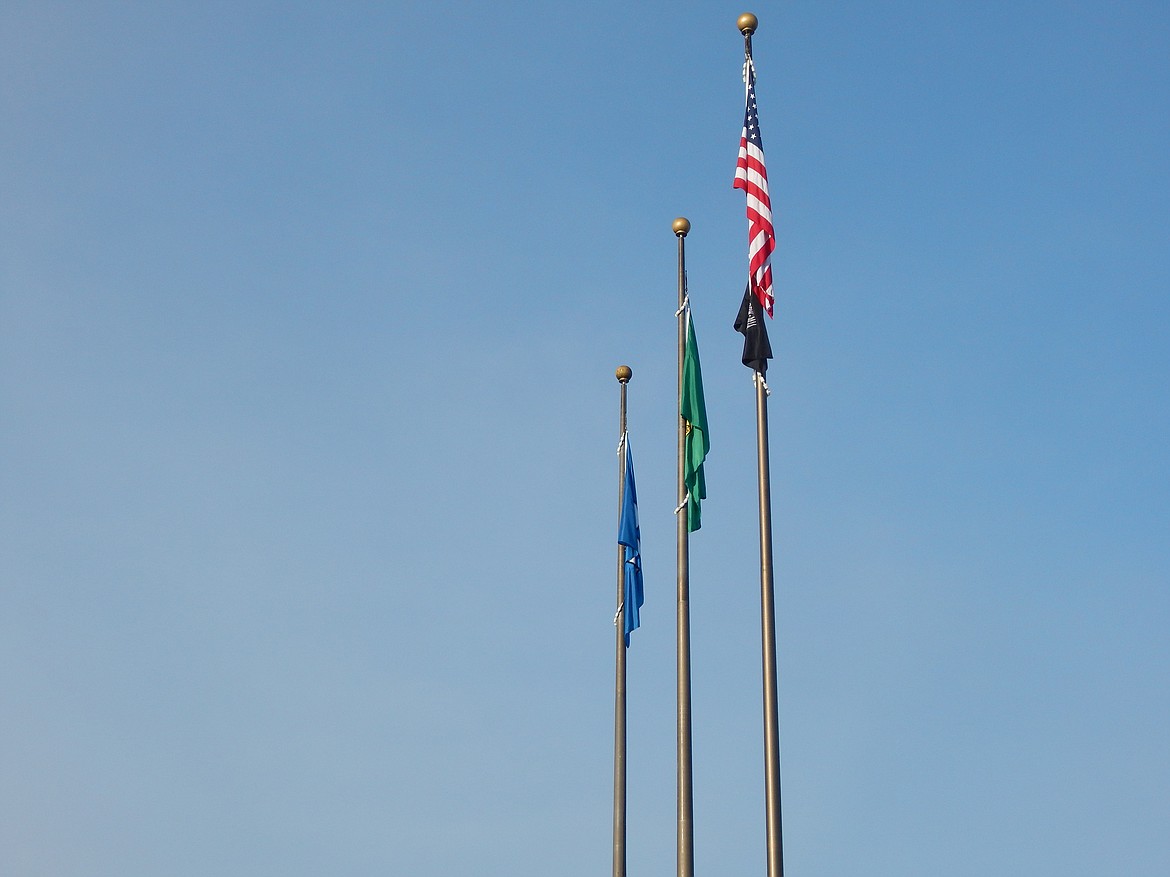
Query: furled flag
[752,176]
[757,350]
[693,410]
[631,538]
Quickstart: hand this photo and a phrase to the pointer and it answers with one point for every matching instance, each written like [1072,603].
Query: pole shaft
[619,709]
[775,844]
[768,642]
[686,831]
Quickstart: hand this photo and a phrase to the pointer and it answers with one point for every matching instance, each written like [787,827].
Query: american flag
[752,176]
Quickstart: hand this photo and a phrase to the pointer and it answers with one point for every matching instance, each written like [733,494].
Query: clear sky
[309,314]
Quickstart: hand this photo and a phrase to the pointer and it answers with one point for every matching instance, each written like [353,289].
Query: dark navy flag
[631,538]
[757,350]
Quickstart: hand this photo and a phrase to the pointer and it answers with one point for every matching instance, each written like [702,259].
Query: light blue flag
[631,538]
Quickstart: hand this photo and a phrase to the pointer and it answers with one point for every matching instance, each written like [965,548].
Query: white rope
[759,377]
[621,444]
[686,291]
[618,614]
[747,63]
[682,505]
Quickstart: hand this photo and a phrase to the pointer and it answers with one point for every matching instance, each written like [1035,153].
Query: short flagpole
[686,829]
[747,25]
[623,374]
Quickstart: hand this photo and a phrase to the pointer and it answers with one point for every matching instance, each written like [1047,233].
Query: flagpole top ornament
[623,374]
[747,24]
[681,226]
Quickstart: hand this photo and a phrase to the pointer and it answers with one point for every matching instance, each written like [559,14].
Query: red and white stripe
[751,175]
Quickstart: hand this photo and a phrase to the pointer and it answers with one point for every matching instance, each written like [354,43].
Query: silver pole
[623,374]
[747,25]
[768,642]
[686,805]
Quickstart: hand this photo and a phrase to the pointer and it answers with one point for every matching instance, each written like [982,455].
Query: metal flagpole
[623,374]
[686,804]
[747,24]
[768,641]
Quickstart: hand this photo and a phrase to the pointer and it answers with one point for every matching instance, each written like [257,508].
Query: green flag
[693,410]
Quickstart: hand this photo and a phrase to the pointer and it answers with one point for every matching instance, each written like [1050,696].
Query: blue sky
[308,321]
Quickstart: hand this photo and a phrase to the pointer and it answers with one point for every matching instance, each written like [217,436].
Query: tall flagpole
[747,24]
[768,641]
[623,374]
[686,804]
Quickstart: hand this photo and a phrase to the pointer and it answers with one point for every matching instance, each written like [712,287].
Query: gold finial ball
[747,24]
[624,373]
[681,226]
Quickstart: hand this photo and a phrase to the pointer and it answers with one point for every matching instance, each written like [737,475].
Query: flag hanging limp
[693,410]
[630,537]
[751,175]
[749,322]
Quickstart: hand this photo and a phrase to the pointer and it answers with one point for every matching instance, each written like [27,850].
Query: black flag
[757,350]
